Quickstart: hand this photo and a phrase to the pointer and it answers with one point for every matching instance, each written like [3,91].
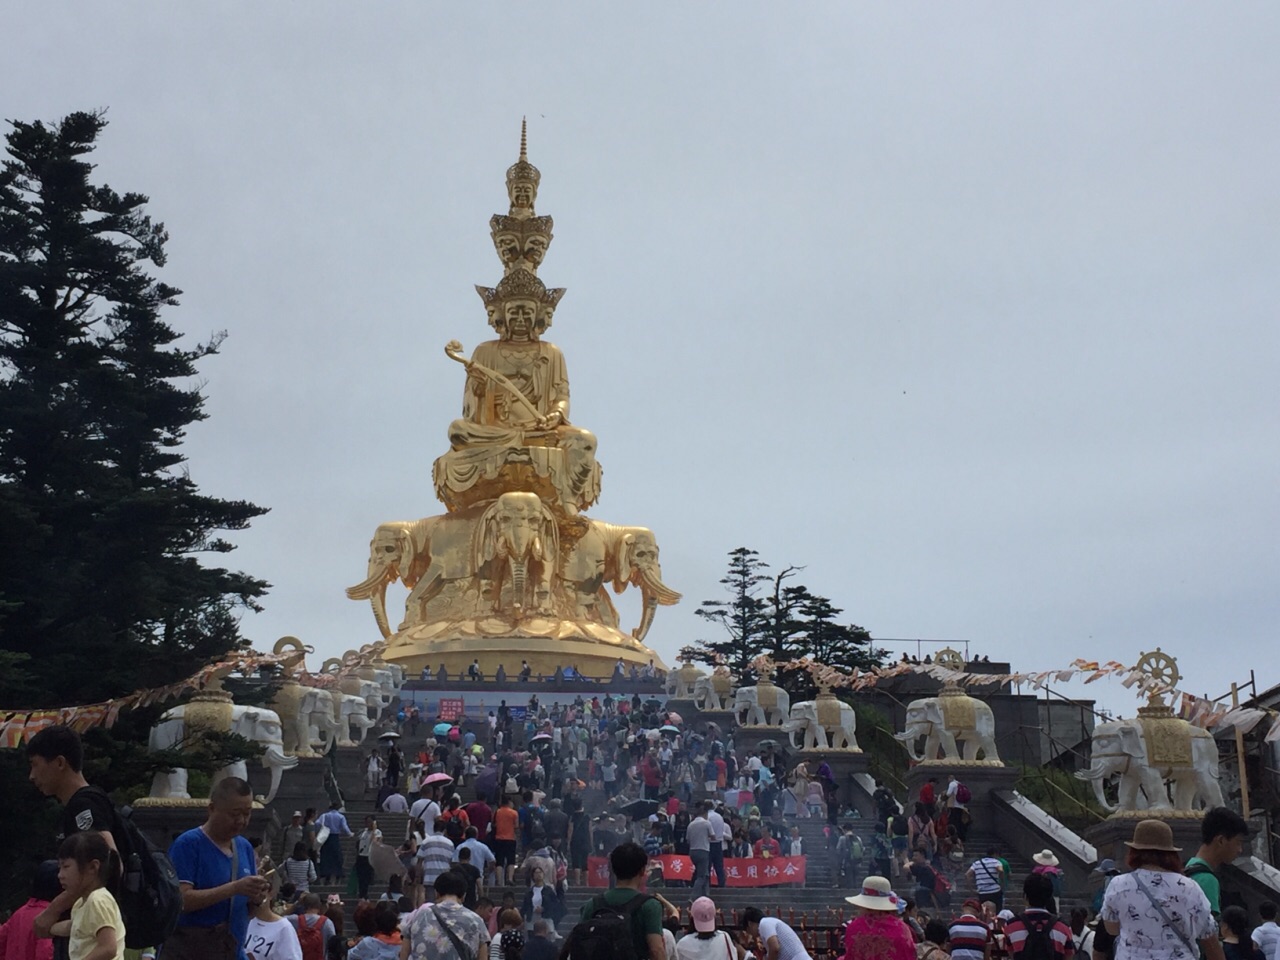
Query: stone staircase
[817,904]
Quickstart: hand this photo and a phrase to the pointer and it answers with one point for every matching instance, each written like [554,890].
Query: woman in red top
[877,933]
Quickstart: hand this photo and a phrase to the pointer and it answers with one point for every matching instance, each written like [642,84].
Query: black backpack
[1039,942]
[149,896]
[609,933]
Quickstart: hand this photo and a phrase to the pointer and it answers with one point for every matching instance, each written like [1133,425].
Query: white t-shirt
[693,947]
[698,834]
[1144,935]
[426,811]
[274,940]
[719,829]
[1266,937]
[789,944]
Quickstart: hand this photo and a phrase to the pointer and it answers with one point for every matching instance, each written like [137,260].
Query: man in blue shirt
[216,868]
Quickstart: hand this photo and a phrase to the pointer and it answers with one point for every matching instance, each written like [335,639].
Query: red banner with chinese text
[451,708]
[739,871]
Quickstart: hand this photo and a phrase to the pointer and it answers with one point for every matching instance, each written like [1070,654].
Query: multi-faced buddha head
[520,244]
[522,181]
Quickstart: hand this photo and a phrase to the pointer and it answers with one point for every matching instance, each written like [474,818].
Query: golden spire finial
[522,179]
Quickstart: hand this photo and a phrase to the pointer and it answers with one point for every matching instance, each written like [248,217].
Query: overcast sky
[968,308]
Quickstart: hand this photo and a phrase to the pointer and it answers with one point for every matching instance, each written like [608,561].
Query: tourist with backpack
[147,889]
[314,930]
[926,880]
[1047,865]
[1222,833]
[1037,933]
[623,923]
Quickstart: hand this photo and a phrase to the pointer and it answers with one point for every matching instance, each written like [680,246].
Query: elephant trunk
[908,741]
[276,759]
[1096,776]
[519,576]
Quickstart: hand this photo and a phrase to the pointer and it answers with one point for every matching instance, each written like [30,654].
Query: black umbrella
[640,809]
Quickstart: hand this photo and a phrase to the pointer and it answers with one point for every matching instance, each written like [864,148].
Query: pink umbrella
[438,778]
[673,717]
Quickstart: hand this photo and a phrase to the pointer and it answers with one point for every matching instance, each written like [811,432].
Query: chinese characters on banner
[739,872]
[450,708]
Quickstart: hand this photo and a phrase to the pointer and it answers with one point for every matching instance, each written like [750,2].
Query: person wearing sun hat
[1154,911]
[1047,865]
[877,932]
[706,942]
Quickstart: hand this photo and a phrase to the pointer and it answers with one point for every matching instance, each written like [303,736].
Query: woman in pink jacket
[18,936]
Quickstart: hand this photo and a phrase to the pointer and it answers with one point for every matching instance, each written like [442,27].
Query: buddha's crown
[522,169]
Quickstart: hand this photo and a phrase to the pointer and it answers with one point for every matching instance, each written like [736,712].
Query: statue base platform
[721,718]
[983,778]
[547,643]
[1110,835]
[751,738]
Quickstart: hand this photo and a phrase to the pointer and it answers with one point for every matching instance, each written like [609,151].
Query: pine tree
[100,584]
[744,616]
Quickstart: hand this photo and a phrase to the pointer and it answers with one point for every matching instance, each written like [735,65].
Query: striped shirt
[300,873]
[435,856]
[969,938]
[1018,929]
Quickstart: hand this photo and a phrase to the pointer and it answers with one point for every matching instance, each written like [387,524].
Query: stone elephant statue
[351,711]
[946,718]
[1147,751]
[617,555]
[427,555]
[713,692]
[517,552]
[764,704]
[823,724]
[253,723]
[295,718]
[322,727]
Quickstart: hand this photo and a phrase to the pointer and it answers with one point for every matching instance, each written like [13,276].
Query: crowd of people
[526,830]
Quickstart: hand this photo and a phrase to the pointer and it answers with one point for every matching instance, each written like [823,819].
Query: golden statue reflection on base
[515,570]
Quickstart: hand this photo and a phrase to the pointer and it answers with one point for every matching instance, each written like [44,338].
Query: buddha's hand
[551,420]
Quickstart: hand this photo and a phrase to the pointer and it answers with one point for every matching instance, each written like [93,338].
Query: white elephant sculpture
[1148,751]
[253,723]
[350,710]
[764,704]
[713,692]
[946,718]
[824,724]
[322,728]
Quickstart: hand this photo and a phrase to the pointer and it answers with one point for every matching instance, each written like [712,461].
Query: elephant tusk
[364,589]
[652,586]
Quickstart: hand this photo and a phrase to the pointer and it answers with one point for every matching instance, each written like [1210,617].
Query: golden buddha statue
[515,571]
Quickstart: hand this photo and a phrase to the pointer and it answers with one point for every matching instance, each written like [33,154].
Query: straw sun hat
[1046,858]
[1152,835]
[876,894]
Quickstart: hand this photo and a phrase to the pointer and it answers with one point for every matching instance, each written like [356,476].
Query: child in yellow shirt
[86,865]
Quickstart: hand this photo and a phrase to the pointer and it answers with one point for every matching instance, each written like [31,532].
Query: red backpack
[311,938]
